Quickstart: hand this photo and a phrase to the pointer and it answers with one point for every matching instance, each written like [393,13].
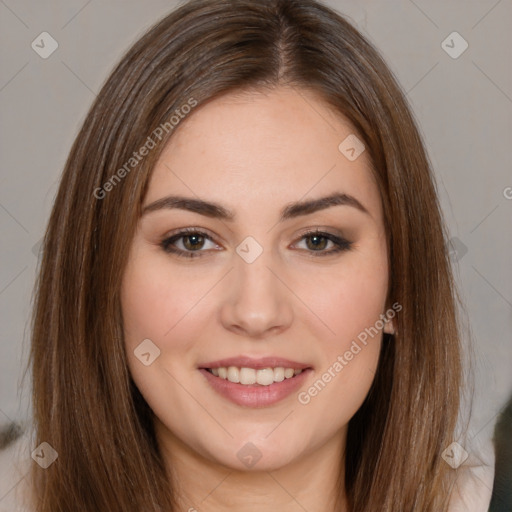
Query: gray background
[463,107]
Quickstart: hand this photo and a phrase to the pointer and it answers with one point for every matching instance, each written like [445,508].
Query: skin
[254,153]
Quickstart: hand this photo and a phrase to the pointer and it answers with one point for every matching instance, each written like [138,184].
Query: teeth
[248,376]
[233,374]
[279,374]
[288,373]
[265,377]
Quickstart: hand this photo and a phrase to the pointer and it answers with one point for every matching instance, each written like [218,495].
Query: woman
[245,301]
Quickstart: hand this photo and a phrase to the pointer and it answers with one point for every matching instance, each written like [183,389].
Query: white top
[472,491]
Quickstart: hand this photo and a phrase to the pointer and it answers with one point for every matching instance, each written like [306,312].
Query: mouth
[255,383]
[252,376]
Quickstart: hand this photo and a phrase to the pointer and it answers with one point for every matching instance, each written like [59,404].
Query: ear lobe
[389,327]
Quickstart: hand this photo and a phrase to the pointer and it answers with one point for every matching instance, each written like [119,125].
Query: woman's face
[247,291]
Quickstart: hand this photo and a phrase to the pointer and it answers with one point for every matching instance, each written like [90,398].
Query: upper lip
[256,363]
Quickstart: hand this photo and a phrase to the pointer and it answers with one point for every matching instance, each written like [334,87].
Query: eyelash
[341,243]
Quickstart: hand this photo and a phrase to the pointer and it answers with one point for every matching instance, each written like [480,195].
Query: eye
[317,241]
[187,243]
[190,243]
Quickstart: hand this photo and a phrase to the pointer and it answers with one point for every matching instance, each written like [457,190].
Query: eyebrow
[290,211]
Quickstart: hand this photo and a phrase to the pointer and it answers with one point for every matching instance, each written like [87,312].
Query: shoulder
[472,490]
[15,465]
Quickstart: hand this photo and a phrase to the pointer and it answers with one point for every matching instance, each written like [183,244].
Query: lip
[255,395]
[256,363]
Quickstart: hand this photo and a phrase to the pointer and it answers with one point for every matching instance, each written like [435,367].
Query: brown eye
[187,243]
[192,242]
[317,242]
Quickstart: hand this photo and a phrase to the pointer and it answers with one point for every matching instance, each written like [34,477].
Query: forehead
[261,150]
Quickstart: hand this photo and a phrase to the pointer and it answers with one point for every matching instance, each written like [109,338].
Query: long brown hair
[85,403]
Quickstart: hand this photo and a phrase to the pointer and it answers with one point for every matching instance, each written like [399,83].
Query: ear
[389,326]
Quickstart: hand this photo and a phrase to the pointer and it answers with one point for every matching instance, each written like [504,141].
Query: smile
[255,388]
[247,376]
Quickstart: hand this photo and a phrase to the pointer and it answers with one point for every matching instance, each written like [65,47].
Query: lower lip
[255,395]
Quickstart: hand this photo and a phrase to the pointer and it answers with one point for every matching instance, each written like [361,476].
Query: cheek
[157,305]
[160,308]
[349,357]
[351,305]
[355,304]
[339,389]
[161,305]
[350,298]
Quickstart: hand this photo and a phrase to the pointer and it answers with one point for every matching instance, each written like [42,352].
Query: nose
[256,302]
